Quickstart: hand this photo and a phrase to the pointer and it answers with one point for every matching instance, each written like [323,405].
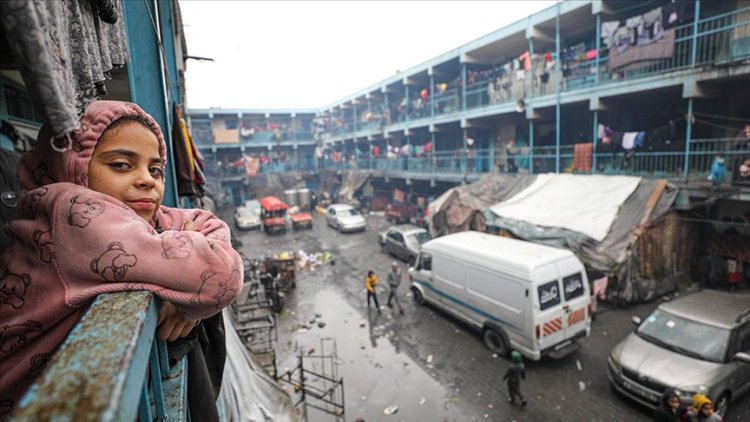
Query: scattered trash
[422,400]
[429,359]
[318,315]
[479,394]
[486,416]
[490,406]
[581,385]
[302,330]
[578,364]
[321,324]
[311,351]
[494,356]
[390,409]
[362,322]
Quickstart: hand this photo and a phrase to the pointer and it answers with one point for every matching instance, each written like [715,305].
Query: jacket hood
[48,163]
[700,400]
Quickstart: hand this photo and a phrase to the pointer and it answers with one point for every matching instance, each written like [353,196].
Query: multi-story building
[613,87]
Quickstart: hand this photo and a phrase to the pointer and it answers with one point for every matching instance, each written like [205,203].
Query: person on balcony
[90,221]
[717,171]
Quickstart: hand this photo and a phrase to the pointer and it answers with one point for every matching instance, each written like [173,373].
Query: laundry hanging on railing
[643,39]
[658,139]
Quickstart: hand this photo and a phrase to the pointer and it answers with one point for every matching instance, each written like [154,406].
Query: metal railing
[545,159]
[110,368]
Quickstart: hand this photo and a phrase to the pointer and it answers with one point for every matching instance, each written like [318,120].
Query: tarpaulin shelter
[619,225]
[248,392]
[462,208]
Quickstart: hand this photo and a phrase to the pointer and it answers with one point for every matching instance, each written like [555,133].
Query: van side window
[396,236]
[740,340]
[425,262]
[549,295]
[573,286]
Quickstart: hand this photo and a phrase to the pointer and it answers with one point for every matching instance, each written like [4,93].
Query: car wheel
[495,342]
[417,295]
[721,405]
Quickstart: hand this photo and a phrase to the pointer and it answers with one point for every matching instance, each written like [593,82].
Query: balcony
[693,163]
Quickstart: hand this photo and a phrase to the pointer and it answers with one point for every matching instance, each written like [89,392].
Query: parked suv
[696,344]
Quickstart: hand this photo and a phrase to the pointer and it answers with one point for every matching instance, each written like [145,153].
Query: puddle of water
[376,374]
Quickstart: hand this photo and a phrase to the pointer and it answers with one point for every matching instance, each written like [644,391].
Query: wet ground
[429,365]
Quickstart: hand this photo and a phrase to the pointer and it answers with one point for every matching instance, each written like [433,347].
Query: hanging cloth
[65,51]
[628,140]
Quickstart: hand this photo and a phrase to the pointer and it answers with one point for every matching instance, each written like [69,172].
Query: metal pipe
[463,87]
[688,135]
[596,138]
[559,82]
[531,146]
[694,46]
[598,47]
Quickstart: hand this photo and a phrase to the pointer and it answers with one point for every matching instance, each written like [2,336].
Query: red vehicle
[399,213]
[301,221]
[273,214]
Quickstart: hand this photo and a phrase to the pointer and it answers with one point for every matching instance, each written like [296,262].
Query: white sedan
[345,218]
[246,219]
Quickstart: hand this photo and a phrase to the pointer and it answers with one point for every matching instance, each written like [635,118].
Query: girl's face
[126,165]
[707,409]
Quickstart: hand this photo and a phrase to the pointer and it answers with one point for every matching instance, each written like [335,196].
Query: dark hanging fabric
[206,351]
[183,157]
[65,50]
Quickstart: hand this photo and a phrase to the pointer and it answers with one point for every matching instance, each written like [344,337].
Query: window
[396,236]
[685,336]
[549,295]
[740,340]
[573,286]
[425,262]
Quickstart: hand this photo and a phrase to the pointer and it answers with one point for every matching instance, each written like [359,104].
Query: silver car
[345,218]
[696,344]
[246,219]
[404,241]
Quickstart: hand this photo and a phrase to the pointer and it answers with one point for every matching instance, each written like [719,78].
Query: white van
[521,295]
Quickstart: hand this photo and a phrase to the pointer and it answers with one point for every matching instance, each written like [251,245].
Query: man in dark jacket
[669,409]
[514,374]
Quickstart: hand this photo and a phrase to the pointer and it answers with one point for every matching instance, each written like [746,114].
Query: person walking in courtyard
[513,375]
[394,280]
[371,281]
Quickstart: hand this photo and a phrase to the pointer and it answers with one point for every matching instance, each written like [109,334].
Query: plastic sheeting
[248,392]
[586,204]
[612,255]
[462,208]
[350,184]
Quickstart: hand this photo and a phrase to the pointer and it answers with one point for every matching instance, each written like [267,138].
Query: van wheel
[417,295]
[721,405]
[495,342]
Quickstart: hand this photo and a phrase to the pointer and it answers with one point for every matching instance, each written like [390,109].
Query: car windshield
[350,212]
[245,213]
[688,337]
[420,237]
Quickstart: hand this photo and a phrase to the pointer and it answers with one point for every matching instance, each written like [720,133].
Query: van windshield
[685,336]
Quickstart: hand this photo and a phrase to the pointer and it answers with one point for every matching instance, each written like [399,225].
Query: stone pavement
[428,364]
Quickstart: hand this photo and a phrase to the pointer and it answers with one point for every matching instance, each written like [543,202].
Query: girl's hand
[172,323]
[189,226]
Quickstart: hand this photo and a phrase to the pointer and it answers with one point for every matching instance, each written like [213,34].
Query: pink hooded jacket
[71,244]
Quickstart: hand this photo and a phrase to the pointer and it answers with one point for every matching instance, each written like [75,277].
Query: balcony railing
[693,163]
[110,368]
[715,40]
